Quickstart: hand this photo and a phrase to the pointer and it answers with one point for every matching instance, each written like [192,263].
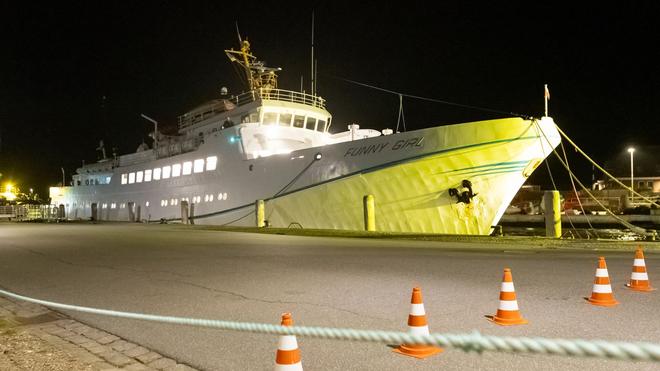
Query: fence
[29,212]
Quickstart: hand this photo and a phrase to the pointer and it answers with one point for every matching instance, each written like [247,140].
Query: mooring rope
[603,170]
[472,342]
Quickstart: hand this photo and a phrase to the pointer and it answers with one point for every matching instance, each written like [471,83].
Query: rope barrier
[472,342]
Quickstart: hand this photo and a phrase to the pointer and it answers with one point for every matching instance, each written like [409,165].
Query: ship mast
[258,76]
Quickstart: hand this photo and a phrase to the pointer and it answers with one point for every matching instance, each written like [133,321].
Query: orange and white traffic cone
[507,312]
[602,291]
[288,354]
[639,279]
[417,325]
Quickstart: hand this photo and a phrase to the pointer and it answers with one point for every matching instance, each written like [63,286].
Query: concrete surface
[342,282]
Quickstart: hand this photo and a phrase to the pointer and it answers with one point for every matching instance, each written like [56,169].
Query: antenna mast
[313,91]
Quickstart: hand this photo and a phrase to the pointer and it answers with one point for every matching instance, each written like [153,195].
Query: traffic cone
[602,291]
[639,279]
[417,325]
[507,312]
[288,354]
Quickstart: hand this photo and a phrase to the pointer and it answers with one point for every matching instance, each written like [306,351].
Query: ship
[267,157]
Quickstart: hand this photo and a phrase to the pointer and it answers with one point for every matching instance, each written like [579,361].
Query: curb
[97,349]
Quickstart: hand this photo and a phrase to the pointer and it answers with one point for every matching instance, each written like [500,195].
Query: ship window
[270,118]
[298,121]
[124,179]
[147,175]
[187,168]
[166,171]
[311,123]
[139,176]
[146,204]
[107,180]
[113,205]
[131,178]
[211,163]
[176,170]
[157,173]
[211,198]
[206,198]
[321,126]
[87,181]
[165,203]
[285,119]
[199,165]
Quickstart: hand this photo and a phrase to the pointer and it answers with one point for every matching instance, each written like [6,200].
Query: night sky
[164,58]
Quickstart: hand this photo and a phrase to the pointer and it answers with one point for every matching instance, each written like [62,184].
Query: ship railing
[279,95]
[190,119]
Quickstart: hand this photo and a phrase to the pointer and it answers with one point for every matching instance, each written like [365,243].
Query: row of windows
[173,171]
[195,199]
[173,201]
[297,121]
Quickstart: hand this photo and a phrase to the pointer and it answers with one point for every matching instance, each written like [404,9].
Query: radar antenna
[258,75]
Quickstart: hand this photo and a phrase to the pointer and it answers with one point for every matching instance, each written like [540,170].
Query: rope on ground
[476,342]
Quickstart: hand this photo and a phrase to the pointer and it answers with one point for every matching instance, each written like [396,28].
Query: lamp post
[631,150]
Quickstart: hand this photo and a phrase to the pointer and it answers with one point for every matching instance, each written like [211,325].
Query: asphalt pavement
[323,281]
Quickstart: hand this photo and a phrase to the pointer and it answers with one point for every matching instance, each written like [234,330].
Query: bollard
[184,212]
[260,211]
[552,214]
[369,213]
[191,216]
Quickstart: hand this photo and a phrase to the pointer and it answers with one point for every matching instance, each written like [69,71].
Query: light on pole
[631,150]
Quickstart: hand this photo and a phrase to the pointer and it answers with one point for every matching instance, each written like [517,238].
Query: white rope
[476,342]
[632,227]
[603,170]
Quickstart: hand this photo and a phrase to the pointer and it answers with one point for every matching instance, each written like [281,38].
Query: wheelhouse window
[311,123]
[285,119]
[124,179]
[157,173]
[147,175]
[320,126]
[131,178]
[270,118]
[167,170]
[298,121]
[139,176]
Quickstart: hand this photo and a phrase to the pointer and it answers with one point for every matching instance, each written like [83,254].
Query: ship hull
[410,176]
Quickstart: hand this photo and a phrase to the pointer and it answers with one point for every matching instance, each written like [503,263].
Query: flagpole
[546,95]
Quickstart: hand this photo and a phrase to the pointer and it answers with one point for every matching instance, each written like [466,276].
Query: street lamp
[631,150]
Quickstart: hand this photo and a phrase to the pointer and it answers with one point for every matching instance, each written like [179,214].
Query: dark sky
[163,58]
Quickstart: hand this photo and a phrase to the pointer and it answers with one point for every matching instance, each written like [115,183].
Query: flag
[547,93]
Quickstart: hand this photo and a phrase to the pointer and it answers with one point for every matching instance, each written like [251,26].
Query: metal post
[260,211]
[191,217]
[552,214]
[369,205]
[184,212]
[632,182]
